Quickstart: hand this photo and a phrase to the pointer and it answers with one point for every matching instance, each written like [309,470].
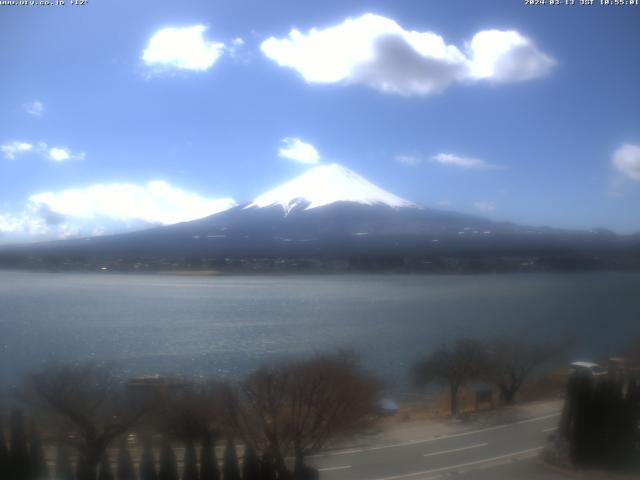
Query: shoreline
[320,273]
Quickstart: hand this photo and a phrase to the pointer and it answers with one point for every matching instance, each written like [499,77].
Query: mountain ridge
[330,212]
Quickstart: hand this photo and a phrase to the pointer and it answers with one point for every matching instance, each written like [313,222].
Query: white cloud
[107,208]
[31,225]
[156,202]
[409,160]
[13,149]
[295,149]
[34,108]
[484,206]
[182,48]
[238,51]
[450,159]
[56,154]
[627,160]
[20,225]
[376,51]
[506,56]
[447,159]
[62,154]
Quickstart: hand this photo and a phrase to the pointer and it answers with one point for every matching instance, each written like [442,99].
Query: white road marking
[433,439]
[477,445]
[461,465]
[329,469]
[549,429]
[529,420]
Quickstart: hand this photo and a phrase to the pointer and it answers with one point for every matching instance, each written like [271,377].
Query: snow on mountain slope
[327,184]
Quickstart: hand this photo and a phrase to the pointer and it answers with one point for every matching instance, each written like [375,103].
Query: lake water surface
[229,324]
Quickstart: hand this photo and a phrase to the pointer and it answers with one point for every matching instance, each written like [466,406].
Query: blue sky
[121,114]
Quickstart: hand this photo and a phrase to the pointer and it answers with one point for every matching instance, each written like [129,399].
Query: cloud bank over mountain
[107,208]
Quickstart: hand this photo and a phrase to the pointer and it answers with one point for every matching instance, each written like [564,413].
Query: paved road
[496,451]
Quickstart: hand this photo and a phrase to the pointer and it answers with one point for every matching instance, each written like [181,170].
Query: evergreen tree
[148,463]
[250,465]
[83,469]
[281,467]
[125,468]
[4,456]
[19,455]
[230,468]
[168,464]
[208,462]
[267,467]
[38,468]
[631,414]
[305,472]
[190,463]
[64,469]
[91,402]
[105,471]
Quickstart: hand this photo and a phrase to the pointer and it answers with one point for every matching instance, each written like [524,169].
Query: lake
[227,325]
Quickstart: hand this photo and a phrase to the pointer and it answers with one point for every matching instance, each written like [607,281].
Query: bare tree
[510,361]
[299,407]
[254,412]
[328,397]
[632,351]
[191,413]
[87,405]
[454,365]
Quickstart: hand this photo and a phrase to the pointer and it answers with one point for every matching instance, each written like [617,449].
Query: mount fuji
[331,212]
[324,185]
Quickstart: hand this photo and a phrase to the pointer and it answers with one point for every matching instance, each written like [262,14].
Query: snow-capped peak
[327,184]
